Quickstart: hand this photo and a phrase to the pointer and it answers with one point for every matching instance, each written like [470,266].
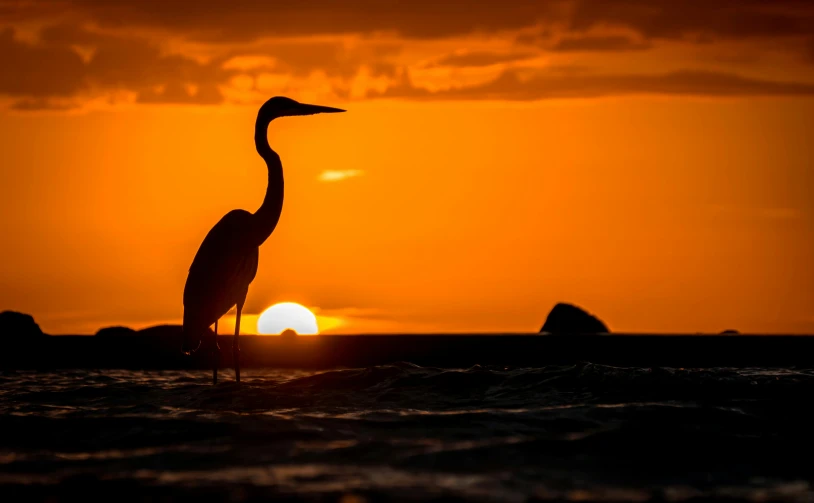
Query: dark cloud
[383,69]
[304,58]
[242,20]
[123,53]
[119,62]
[510,85]
[34,104]
[301,59]
[483,58]
[536,38]
[52,69]
[174,92]
[24,10]
[245,20]
[708,18]
[37,71]
[598,43]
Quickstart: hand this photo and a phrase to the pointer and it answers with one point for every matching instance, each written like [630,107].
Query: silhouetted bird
[226,262]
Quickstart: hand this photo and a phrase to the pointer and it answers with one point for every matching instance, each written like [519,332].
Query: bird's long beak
[305,109]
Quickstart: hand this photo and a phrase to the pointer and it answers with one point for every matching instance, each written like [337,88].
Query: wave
[407,432]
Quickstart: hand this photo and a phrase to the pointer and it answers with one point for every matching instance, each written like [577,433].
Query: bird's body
[223,269]
[226,263]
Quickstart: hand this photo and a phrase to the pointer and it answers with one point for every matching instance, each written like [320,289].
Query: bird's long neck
[267,216]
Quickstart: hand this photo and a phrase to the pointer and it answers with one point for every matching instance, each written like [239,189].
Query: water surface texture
[406,433]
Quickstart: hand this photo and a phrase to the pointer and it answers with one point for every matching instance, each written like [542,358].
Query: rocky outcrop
[155,331]
[115,332]
[569,319]
[164,331]
[14,324]
[164,341]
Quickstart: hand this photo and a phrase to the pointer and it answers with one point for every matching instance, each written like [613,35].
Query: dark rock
[167,331]
[17,324]
[115,332]
[288,334]
[163,331]
[568,319]
[164,338]
[155,331]
[162,341]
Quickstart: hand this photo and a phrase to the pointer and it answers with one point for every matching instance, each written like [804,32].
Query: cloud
[245,20]
[481,58]
[170,52]
[734,19]
[137,64]
[69,61]
[338,175]
[35,104]
[331,57]
[38,70]
[514,84]
[598,43]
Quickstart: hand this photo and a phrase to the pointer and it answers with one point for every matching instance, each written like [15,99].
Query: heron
[226,262]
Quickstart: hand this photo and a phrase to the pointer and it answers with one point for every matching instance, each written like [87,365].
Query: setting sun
[287,315]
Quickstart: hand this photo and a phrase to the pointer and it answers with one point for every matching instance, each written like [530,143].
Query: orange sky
[652,162]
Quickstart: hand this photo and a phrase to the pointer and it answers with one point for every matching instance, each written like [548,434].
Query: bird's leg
[215,355]
[236,341]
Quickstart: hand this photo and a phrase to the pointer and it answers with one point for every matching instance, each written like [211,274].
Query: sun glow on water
[287,315]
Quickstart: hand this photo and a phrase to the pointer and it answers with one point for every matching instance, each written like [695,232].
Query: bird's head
[280,106]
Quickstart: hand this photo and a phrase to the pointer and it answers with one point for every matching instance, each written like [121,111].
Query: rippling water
[403,432]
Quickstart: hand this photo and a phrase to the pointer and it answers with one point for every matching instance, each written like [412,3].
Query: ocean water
[401,432]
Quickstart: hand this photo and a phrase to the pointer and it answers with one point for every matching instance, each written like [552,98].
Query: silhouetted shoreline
[440,350]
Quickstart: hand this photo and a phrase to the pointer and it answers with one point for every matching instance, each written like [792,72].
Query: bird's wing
[223,268]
